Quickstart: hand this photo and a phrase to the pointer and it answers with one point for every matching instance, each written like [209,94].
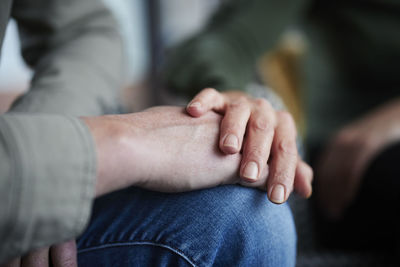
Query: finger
[259,136]
[36,258]
[260,183]
[14,263]
[233,126]
[208,99]
[284,160]
[303,179]
[64,255]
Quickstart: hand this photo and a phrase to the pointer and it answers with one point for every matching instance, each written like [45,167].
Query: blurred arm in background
[225,53]
[224,56]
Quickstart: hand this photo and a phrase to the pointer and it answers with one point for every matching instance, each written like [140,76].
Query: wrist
[114,141]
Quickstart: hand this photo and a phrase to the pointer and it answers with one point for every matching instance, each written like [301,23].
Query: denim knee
[252,230]
[222,226]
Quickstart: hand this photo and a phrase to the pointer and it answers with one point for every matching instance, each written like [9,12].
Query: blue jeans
[222,226]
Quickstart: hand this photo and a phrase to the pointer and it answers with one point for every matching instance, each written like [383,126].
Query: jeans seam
[138,243]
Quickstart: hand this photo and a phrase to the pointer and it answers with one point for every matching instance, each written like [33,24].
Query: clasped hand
[266,138]
[164,149]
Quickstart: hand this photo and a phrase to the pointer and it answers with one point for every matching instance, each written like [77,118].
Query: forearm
[56,165]
[224,54]
[76,57]
[116,151]
[51,169]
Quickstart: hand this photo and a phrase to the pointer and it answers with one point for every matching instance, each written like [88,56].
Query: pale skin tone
[346,158]
[267,138]
[164,149]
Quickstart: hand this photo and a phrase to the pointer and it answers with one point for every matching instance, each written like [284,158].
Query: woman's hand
[161,149]
[266,137]
[61,255]
[346,158]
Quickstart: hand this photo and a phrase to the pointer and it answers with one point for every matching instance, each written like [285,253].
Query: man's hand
[267,138]
[162,149]
[346,158]
[61,255]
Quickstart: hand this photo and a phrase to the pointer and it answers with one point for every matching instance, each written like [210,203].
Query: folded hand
[267,138]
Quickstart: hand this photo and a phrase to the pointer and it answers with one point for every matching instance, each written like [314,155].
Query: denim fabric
[222,226]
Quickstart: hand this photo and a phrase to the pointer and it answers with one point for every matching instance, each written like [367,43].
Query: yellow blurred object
[280,69]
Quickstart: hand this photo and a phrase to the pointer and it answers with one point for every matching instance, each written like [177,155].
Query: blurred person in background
[58,153]
[351,83]
[351,89]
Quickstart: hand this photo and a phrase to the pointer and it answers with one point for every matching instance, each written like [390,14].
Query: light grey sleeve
[47,175]
[47,162]
[75,50]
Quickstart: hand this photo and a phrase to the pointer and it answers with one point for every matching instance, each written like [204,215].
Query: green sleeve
[47,162]
[225,53]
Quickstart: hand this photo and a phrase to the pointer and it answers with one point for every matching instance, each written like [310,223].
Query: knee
[251,230]
[222,226]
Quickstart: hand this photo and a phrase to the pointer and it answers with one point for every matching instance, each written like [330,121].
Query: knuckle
[239,103]
[286,117]
[287,147]
[261,102]
[261,124]
[210,91]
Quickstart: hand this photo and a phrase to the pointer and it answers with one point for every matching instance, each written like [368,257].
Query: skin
[266,137]
[164,149]
[61,255]
[346,158]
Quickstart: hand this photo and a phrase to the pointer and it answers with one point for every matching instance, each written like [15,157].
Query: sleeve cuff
[54,167]
[262,91]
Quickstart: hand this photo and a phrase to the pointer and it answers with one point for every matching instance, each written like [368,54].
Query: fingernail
[278,194]
[231,141]
[251,171]
[194,105]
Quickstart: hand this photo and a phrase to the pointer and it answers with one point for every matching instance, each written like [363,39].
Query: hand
[61,255]
[346,158]
[267,137]
[161,149]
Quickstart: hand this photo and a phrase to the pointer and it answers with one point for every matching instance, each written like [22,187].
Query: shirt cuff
[53,170]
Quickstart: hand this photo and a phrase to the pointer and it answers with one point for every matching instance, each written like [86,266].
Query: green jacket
[47,155]
[351,66]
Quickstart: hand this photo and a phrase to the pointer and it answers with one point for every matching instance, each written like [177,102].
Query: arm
[49,173]
[224,54]
[75,51]
[47,181]
[48,162]
[345,161]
